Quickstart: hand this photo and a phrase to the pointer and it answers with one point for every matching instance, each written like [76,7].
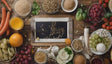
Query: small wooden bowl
[96,57]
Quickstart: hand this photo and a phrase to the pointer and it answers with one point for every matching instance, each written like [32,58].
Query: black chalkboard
[51,29]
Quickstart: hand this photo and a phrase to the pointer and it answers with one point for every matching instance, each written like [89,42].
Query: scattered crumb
[37,38]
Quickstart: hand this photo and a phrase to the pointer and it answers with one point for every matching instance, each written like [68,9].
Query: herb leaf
[68,50]
[35,8]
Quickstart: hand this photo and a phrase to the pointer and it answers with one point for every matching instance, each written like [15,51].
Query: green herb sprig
[68,50]
[35,8]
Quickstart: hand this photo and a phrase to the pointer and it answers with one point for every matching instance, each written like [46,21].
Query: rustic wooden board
[78,25]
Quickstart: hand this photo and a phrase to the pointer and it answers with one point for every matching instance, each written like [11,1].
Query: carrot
[8,31]
[5,27]
[3,18]
[6,4]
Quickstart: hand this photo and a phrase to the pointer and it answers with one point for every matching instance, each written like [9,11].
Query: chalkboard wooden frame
[60,19]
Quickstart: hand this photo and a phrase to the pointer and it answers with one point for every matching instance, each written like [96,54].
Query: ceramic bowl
[76,4]
[73,47]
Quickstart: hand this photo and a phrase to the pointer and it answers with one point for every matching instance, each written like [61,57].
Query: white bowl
[76,4]
[73,47]
[101,53]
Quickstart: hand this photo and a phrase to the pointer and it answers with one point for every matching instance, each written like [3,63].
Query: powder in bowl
[69,4]
[40,57]
[77,45]
[22,7]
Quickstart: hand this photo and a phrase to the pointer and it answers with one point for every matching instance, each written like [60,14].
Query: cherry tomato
[108,28]
[106,23]
[105,20]
[103,26]
[111,23]
[111,18]
[111,27]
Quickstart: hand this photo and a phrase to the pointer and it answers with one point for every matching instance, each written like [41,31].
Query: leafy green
[81,13]
[68,50]
[69,63]
[108,14]
[35,8]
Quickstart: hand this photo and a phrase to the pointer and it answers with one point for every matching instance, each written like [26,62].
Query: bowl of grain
[50,6]
[77,45]
[22,7]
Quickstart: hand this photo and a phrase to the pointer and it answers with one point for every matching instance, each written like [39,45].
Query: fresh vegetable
[5,27]
[86,36]
[104,26]
[23,55]
[81,13]
[96,13]
[104,3]
[100,1]
[69,63]
[3,18]
[7,52]
[96,39]
[68,50]
[108,23]
[105,20]
[63,57]
[8,31]
[6,4]
[107,15]
[35,8]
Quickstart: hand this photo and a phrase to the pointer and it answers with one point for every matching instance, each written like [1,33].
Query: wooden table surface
[78,25]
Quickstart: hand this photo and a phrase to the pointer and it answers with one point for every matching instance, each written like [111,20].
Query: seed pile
[50,6]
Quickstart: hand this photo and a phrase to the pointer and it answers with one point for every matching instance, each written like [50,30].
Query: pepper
[84,16]
[81,14]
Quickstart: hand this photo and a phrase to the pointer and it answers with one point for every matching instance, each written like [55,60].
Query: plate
[109,36]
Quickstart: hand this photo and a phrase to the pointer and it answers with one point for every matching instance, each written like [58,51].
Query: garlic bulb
[55,49]
[45,50]
[51,55]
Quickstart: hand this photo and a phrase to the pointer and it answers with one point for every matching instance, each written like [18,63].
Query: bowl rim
[76,5]
[12,56]
[96,57]
[73,47]
[100,53]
